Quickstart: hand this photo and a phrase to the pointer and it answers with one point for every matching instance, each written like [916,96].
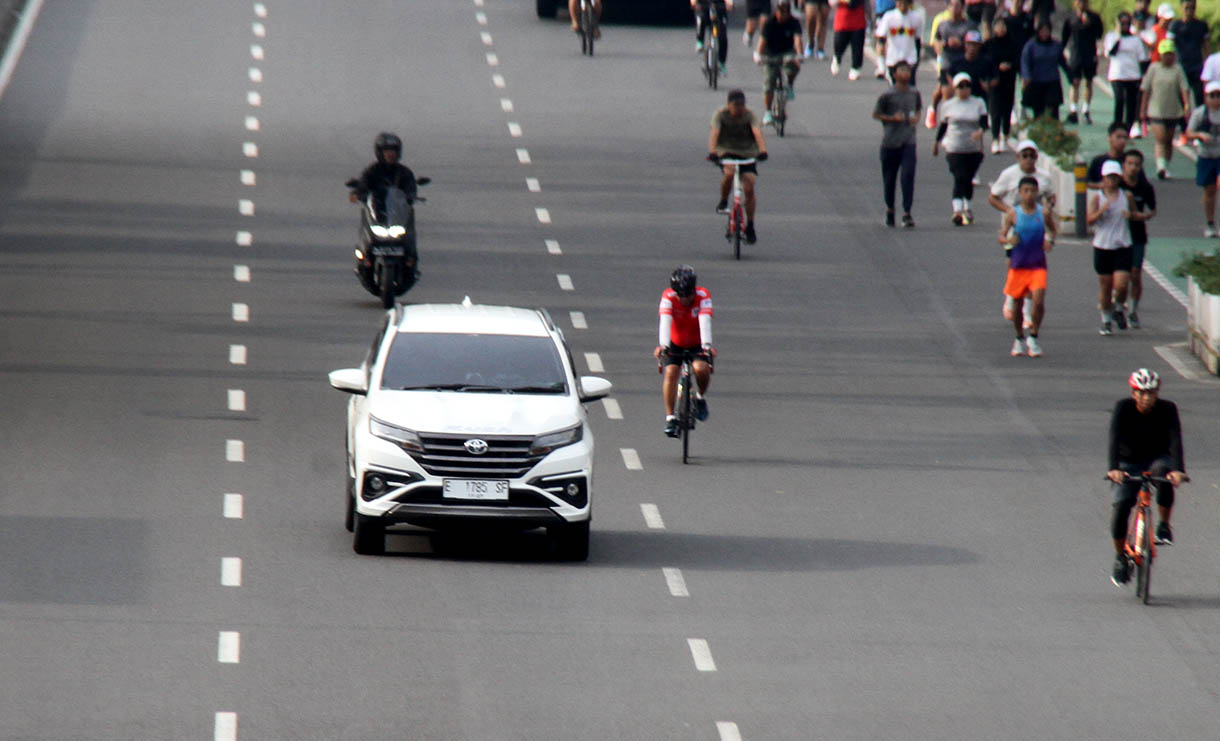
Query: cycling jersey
[687,326]
[1139,438]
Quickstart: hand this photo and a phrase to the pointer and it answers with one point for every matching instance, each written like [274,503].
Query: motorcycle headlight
[359,255]
[379,231]
[403,438]
[396,231]
[544,444]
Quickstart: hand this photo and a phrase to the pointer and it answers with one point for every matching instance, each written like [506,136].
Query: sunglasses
[1029,155]
[961,85]
[1213,95]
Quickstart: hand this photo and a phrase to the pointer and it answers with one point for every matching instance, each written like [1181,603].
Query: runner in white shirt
[898,33]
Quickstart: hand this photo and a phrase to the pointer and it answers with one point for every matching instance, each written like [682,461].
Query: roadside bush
[1053,139]
[1204,268]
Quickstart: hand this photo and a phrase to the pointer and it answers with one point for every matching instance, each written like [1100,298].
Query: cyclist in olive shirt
[737,134]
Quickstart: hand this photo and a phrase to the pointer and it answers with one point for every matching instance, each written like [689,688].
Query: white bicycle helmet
[1145,380]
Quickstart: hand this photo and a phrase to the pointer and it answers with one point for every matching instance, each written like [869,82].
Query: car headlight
[544,444]
[403,438]
[396,231]
[379,231]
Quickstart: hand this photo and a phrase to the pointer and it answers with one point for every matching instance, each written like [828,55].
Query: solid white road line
[652,516]
[492,59]
[523,156]
[16,45]
[245,207]
[237,354]
[241,273]
[613,411]
[701,654]
[594,361]
[514,129]
[552,246]
[234,504]
[237,400]
[728,730]
[250,149]
[675,582]
[226,727]
[235,451]
[247,177]
[578,320]
[229,649]
[532,185]
[241,313]
[631,459]
[245,239]
[498,81]
[565,281]
[230,572]
[259,30]
[1174,292]
[254,99]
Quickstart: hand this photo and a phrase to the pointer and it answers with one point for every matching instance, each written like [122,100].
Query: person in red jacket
[851,19]
[685,325]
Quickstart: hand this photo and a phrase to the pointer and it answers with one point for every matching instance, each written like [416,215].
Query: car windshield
[474,363]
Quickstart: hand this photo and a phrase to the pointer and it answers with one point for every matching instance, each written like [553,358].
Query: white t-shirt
[1007,185]
[963,118]
[900,30]
[1125,61]
[1211,68]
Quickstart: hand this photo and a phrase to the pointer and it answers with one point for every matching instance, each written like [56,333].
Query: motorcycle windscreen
[397,208]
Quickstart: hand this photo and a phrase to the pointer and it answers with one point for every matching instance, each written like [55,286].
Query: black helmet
[682,280]
[384,141]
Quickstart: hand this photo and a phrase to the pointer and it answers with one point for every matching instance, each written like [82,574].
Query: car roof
[466,318]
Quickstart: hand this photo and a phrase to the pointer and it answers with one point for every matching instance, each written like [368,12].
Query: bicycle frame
[1140,546]
[779,95]
[737,211]
[711,50]
[684,397]
[588,25]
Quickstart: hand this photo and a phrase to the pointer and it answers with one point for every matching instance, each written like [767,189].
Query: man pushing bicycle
[1145,435]
[685,325]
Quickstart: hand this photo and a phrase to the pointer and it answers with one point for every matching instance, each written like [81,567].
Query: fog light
[572,490]
[376,483]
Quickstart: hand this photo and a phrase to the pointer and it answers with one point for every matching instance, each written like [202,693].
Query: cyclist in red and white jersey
[686,324]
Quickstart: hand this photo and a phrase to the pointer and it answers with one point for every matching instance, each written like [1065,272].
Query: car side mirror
[350,380]
[593,388]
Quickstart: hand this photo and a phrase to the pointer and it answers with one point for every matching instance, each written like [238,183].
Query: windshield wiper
[554,388]
[453,387]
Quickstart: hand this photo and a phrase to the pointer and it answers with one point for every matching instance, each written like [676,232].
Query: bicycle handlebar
[1148,477]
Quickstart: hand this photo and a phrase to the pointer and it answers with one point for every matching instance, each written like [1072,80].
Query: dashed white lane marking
[543,215]
[702,655]
[523,156]
[245,207]
[259,30]
[241,273]
[506,105]
[234,504]
[235,451]
[237,354]
[486,37]
[247,177]
[254,99]
[250,149]
[226,727]
[675,582]
[728,730]
[514,129]
[481,18]
[260,10]
[631,459]
[478,3]
[244,239]
[652,516]
[594,361]
[613,410]
[229,649]
[237,400]
[256,74]
[578,320]
[230,572]
[241,312]
[252,123]
[492,59]
[565,281]
[552,246]
[533,185]
[498,81]
[256,52]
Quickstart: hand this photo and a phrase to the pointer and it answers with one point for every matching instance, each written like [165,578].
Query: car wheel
[368,536]
[570,542]
[349,519]
[546,8]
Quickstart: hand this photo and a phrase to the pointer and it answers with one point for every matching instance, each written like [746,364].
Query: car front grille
[507,457]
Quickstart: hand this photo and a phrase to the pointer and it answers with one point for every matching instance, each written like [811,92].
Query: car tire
[349,519]
[546,8]
[368,536]
[570,542]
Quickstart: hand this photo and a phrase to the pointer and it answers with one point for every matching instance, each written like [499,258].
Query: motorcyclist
[386,172]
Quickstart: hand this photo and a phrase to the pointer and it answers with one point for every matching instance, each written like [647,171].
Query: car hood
[459,412]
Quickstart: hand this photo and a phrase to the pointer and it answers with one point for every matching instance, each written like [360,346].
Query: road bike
[779,85]
[684,399]
[711,49]
[1140,547]
[736,230]
[588,26]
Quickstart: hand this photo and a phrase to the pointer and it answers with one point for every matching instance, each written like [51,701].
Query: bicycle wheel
[590,24]
[1143,545]
[738,228]
[687,415]
[713,68]
[780,114]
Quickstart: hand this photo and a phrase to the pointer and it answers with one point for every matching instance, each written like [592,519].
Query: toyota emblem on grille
[476,446]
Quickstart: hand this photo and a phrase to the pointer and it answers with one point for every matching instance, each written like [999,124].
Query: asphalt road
[891,528]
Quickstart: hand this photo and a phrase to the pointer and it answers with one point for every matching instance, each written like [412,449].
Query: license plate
[474,489]
[389,251]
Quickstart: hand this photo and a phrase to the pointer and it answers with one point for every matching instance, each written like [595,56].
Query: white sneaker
[854,74]
[1018,348]
[1210,231]
[745,40]
[768,118]
[1003,142]
[995,146]
[834,66]
[1134,133]
[1035,350]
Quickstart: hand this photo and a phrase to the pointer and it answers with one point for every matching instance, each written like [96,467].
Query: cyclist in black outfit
[1145,435]
[703,19]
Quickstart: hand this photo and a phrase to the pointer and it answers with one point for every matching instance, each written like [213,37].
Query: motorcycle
[387,257]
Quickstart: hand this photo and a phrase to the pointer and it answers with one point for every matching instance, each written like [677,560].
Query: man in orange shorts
[1030,230]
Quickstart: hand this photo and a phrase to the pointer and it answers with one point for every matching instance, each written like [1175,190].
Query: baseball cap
[1111,167]
[973,36]
[961,77]
[1166,47]
[1026,144]
[1164,10]
[1212,86]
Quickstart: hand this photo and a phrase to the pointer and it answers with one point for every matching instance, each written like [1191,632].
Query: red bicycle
[1140,546]
[737,211]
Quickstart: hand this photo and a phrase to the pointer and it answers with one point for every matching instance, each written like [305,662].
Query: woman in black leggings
[963,119]
[1004,49]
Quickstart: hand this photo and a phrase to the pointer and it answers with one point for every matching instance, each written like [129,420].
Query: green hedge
[1205,269]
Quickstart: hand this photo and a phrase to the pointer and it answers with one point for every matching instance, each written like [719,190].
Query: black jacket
[381,175]
[1142,438]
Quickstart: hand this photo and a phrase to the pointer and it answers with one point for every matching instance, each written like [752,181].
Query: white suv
[469,414]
